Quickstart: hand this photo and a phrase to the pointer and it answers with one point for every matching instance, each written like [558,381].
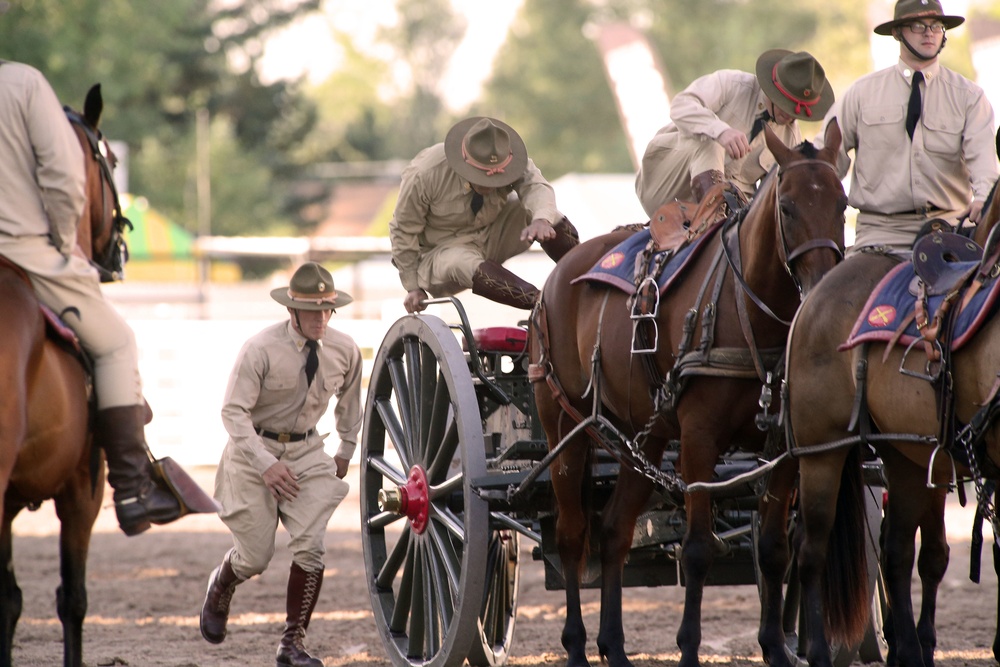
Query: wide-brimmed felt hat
[796,83]
[908,11]
[485,151]
[311,288]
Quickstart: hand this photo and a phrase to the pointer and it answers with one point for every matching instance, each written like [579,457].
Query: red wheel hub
[411,500]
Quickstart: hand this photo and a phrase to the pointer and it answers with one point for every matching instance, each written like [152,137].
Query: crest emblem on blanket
[612,260]
[881,316]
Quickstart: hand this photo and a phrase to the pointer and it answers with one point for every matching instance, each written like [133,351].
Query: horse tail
[845,587]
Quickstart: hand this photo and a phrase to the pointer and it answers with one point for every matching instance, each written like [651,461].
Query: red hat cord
[489,169]
[798,103]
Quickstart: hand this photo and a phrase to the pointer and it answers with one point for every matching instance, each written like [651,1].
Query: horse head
[99,233]
[809,204]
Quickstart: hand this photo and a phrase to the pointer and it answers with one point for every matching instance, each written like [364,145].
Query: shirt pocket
[943,136]
[452,208]
[278,389]
[330,387]
[881,126]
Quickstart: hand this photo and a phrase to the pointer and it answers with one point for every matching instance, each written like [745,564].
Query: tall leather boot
[303,591]
[701,183]
[498,284]
[222,584]
[138,499]
[566,239]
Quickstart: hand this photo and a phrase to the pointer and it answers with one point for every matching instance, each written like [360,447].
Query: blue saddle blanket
[620,266]
[891,302]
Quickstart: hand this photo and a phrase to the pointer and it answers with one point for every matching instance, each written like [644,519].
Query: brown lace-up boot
[222,584]
[701,183]
[303,591]
[498,284]
[566,239]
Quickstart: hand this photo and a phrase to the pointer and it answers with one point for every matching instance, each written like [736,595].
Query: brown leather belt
[282,437]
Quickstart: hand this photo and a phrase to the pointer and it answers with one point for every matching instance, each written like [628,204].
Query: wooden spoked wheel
[428,548]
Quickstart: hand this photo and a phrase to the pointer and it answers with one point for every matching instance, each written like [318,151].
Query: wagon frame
[452,478]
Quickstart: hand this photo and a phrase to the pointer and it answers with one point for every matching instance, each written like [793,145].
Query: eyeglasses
[921,28]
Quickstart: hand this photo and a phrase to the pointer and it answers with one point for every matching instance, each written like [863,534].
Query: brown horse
[45,442]
[823,398]
[791,235]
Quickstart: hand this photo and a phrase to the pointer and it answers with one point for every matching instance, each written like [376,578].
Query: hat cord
[798,103]
[489,169]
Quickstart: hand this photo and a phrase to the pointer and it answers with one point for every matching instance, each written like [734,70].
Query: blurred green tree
[159,63]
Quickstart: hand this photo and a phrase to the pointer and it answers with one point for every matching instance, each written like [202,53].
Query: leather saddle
[678,222]
[944,261]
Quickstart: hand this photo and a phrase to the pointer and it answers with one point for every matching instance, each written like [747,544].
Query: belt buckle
[284,437]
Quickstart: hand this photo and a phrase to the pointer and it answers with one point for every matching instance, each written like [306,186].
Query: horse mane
[808,149]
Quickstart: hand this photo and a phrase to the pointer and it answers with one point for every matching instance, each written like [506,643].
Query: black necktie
[477,202]
[758,124]
[312,361]
[913,108]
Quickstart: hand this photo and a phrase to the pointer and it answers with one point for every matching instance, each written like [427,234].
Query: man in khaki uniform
[914,161]
[274,467]
[42,197]
[465,207]
[716,129]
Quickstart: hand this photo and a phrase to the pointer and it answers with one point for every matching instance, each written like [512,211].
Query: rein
[110,265]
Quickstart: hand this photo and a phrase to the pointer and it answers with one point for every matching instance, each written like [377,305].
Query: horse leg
[572,537]
[11,599]
[617,529]
[697,556]
[931,565]
[773,555]
[77,507]
[908,502]
[819,486]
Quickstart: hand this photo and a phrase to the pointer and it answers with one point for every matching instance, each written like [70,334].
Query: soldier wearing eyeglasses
[922,135]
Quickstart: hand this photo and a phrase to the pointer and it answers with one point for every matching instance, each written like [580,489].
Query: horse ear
[93,106]
[831,141]
[778,149]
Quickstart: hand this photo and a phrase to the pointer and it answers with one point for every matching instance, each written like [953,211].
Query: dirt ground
[145,595]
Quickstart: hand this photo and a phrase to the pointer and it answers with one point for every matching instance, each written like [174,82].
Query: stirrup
[927,374]
[638,317]
[930,470]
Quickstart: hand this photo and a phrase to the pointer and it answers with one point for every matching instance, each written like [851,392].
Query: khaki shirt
[715,103]
[434,208]
[267,389]
[950,161]
[42,176]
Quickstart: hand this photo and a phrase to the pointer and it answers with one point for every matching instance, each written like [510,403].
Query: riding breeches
[72,289]
[252,513]
[672,159]
[449,267]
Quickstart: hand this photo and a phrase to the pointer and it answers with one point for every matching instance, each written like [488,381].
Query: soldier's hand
[281,481]
[539,230]
[976,211]
[414,301]
[735,142]
[342,465]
